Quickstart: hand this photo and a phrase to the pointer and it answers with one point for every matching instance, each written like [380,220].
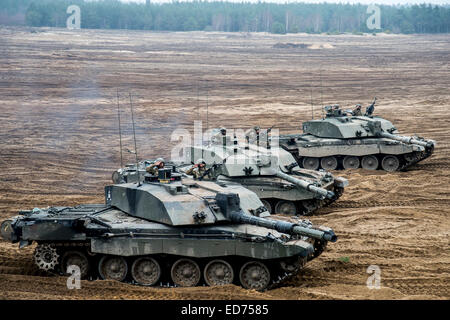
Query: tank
[342,140]
[272,173]
[171,231]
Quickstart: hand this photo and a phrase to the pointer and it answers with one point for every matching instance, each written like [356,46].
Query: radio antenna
[135,145]
[120,130]
[207,111]
[312,106]
[321,90]
[198,101]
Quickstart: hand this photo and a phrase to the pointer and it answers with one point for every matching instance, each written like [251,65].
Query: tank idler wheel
[292,264]
[390,163]
[311,163]
[218,273]
[254,275]
[145,271]
[185,273]
[285,207]
[329,163]
[319,247]
[266,204]
[113,268]
[410,157]
[75,258]
[369,163]
[351,162]
[310,206]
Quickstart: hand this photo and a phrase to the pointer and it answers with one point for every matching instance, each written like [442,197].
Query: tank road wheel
[185,273]
[75,258]
[369,163]
[390,163]
[267,205]
[218,273]
[113,268]
[254,275]
[145,271]
[329,163]
[46,257]
[311,163]
[310,206]
[285,207]
[351,162]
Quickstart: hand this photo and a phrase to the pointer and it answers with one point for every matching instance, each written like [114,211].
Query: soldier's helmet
[257,128]
[358,106]
[335,106]
[200,161]
[160,162]
[223,130]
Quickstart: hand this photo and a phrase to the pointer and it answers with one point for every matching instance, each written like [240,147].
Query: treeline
[227,16]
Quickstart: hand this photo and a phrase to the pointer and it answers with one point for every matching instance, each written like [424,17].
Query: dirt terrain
[59,141]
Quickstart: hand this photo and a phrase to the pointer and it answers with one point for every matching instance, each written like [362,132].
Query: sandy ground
[59,141]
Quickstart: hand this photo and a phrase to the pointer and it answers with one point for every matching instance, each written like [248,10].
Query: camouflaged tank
[272,173]
[170,231]
[344,141]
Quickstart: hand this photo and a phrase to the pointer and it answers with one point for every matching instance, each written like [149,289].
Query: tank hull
[308,146]
[99,233]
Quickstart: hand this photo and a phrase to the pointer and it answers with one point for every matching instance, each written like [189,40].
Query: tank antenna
[198,101]
[207,111]
[135,145]
[312,106]
[321,90]
[120,130]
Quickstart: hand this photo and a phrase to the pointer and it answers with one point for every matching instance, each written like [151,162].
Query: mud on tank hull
[106,243]
[368,153]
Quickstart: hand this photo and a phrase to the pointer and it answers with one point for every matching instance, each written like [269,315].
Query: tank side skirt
[200,248]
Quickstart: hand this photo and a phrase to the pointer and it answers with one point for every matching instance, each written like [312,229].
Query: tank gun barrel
[306,185]
[283,226]
[408,140]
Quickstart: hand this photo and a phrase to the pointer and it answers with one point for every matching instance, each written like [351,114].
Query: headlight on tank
[7,231]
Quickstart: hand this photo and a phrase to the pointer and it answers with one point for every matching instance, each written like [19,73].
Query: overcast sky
[334,1]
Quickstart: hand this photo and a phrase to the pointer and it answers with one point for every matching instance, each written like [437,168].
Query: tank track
[417,157]
[403,166]
[277,278]
[324,203]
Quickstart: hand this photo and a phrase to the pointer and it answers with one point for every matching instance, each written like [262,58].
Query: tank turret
[342,140]
[170,230]
[272,173]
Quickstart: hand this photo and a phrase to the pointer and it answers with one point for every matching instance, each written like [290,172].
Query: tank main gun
[375,127]
[229,205]
[306,185]
[429,144]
